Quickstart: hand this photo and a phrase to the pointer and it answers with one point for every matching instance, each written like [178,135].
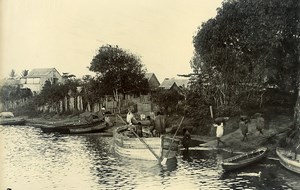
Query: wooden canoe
[95,126]
[287,160]
[244,159]
[127,145]
[12,121]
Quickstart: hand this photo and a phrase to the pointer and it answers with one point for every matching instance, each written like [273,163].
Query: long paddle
[148,147]
[164,161]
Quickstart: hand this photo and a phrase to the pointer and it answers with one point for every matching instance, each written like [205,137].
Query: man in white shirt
[219,132]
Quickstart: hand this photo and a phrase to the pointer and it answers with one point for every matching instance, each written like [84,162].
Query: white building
[37,78]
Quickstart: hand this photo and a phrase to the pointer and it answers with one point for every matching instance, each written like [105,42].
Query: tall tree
[12,74]
[119,71]
[249,42]
[24,73]
[297,106]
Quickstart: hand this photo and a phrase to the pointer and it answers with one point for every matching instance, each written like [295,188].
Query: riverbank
[273,132]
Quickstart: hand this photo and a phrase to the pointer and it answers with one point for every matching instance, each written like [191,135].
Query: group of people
[243,126]
[157,127]
[244,122]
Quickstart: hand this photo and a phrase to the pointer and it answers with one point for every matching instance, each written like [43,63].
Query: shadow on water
[266,174]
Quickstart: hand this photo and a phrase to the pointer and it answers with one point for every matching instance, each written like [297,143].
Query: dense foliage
[119,71]
[249,46]
[167,100]
[11,93]
[52,94]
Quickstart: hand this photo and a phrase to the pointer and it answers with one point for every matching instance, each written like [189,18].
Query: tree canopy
[250,43]
[119,71]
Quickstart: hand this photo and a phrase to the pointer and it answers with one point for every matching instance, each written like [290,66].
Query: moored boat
[126,144]
[12,121]
[288,160]
[76,128]
[244,159]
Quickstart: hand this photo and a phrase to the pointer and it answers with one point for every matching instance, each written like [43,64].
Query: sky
[66,34]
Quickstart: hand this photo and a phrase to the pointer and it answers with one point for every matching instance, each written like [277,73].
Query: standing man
[186,139]
[243,125]
[159,124]
[260,123]
[219,132]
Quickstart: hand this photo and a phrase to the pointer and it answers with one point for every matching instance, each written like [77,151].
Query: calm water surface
[34,160]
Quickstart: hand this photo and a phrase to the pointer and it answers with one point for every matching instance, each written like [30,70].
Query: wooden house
[37,78]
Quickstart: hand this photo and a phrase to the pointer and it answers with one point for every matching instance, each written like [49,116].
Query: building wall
[36,84]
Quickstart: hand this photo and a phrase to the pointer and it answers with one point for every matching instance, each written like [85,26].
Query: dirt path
[270,138]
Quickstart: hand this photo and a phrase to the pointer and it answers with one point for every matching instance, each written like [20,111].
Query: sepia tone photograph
[160,94]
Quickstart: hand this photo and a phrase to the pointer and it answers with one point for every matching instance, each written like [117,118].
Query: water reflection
[34,160]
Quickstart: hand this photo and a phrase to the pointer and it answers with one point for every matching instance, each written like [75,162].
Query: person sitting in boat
[260,123]
[107,121]
[101,115]
[243,125]
[159,124]
[219,132]
[139,129]
[129,117]
[91,117]
[150,125]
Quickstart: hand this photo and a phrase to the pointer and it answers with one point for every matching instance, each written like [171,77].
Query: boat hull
[287,161]
[76,129]
[12,121]
[132,147]
[244,159]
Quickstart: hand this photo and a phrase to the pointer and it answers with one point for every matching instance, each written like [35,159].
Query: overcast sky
[66,34]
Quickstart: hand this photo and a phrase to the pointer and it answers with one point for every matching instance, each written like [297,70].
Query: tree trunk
[297,106]
[297,112]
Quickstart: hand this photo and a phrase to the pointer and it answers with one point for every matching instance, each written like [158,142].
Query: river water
[30,159]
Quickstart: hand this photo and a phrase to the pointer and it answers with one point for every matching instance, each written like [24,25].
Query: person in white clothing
[129,117]
[219,132]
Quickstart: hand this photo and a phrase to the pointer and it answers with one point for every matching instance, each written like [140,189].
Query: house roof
[168,83]
[148,75]
[182,82]
[39,72]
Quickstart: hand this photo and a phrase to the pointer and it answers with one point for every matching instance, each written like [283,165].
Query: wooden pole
[211,112]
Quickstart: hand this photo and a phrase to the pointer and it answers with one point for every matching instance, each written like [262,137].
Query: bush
[28,109]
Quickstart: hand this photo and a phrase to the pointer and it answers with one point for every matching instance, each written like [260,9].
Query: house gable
[168,84]
[180,83]
[152,80]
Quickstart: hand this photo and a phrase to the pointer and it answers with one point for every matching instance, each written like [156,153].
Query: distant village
[37,78]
